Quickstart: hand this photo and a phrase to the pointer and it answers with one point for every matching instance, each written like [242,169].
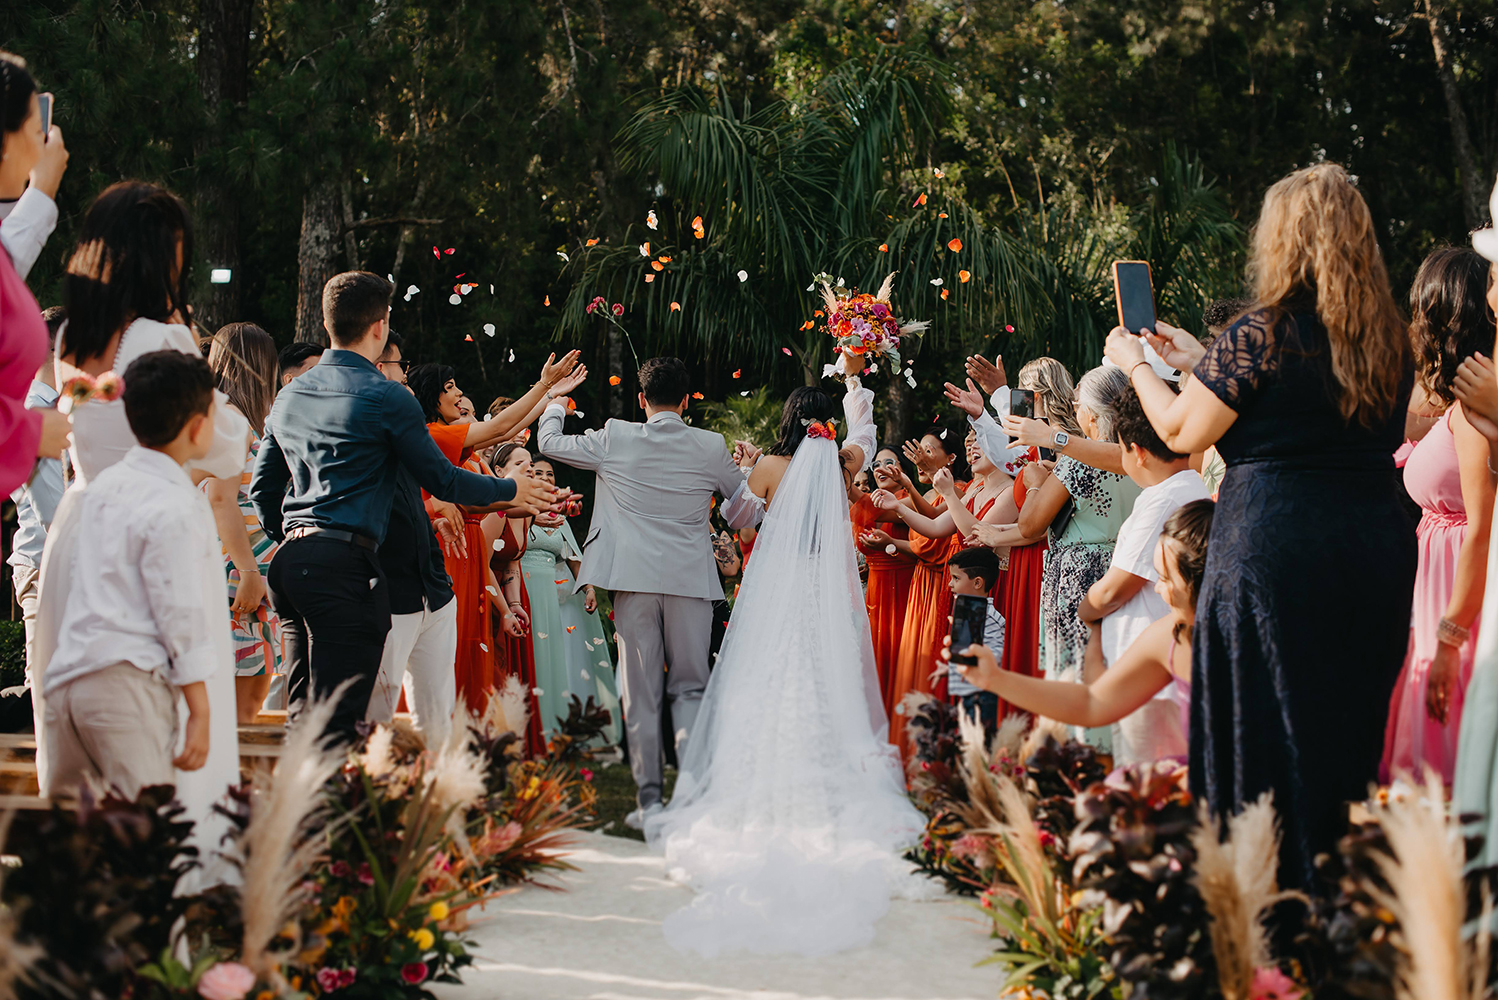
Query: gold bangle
[1136,368]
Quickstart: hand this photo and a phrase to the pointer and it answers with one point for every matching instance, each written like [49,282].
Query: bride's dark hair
[804,405]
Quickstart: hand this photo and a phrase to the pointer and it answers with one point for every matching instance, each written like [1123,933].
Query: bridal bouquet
[866,325]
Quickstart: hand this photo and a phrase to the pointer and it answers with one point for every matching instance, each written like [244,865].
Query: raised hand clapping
[885,500]
[969,400]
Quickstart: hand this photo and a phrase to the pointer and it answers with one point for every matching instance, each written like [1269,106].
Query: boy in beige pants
[139,619]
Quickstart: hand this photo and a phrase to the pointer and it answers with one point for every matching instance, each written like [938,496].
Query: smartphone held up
[969,615]
[1134,293]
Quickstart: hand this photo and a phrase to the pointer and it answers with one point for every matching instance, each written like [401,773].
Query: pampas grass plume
[284,834]
[1424,871]
[1236,878]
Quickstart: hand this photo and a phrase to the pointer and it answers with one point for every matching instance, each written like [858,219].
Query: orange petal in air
[615,380]
[592,243]
[954,244]
[676,307]
[737,372]
[964,276]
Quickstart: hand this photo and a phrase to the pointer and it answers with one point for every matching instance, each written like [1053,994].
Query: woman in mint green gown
[572,653]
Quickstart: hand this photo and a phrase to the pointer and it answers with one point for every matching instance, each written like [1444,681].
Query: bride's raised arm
[858,410]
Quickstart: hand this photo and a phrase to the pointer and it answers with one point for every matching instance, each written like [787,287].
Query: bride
[790,813]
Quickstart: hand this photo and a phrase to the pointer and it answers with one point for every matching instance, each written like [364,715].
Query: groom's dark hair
[665,381]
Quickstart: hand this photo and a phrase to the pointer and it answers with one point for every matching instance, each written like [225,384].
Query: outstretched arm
[1137,676]
[558,378]
[858,409]
[937,527]
[581,451]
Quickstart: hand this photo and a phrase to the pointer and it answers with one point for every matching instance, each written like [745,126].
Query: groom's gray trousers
[663,645]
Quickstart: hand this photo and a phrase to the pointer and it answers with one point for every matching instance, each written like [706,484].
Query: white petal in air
[743,276]
[603,663]
[564,256]
[936,281]
[489,329]
[583,673]
[651,220]
[540,635]
[499,543]
[483,647]
[890,548]
[512,354]
[455,299]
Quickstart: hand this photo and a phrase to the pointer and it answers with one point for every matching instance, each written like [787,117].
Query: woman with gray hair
[1082,508]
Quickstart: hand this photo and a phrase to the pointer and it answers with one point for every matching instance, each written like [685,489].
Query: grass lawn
[616,798]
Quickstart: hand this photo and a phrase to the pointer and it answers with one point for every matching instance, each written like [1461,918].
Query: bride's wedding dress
[790,812]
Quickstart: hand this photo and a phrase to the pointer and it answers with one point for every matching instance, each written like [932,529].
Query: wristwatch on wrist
[1060,440]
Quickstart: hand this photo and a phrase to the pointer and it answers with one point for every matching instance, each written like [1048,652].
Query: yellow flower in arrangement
[424,938]
[438,911]
[342,910]
[532,788]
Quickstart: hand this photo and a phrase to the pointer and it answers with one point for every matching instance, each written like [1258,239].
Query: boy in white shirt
[138,625]
[1124,603]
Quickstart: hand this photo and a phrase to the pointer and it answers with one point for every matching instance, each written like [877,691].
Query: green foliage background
[1066,134]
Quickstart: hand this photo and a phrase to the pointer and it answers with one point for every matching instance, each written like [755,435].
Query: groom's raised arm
[581,451]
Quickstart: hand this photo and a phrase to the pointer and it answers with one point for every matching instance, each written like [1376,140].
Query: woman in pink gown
[1447,475]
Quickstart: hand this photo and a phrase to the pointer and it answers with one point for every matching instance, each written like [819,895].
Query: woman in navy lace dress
[1304,612]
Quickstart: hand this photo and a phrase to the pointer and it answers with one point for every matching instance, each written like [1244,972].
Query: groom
[650,546]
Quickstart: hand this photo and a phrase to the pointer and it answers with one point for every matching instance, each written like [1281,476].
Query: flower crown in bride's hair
[817,429]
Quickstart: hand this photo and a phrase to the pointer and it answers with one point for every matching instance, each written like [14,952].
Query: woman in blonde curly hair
[1304,612]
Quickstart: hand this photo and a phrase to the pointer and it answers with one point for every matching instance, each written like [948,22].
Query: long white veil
[790,812]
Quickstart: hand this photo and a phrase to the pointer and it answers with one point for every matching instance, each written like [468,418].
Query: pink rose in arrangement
[226,981]
[414,972]
[329,980]
[340,869]
[1272,984]
[366,876]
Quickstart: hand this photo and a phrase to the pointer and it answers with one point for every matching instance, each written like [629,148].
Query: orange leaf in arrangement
[615,380]
[737,372]
[884,248]
[964,276]
[676,307]
[954,244]
[593,243]
[697,395]
[920,201]
[656,265]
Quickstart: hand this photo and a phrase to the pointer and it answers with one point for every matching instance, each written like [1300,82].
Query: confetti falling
[697,395]
[964,277]
[786,351]
[413,290]
[546,301]
[651,220]
[449,251]
[941,215]
[676,307]
[436,253]
[455,299]
[468,337]
[512,354]
[890,549]
[737,372]
[649,278]
[938,282]
[656,265]
[884,248]
[805,326]
[954,245]
[944,295]
[744,393]
[615,380]
[499,543]
[593,242]
[921,200]
[488,329]
[559,583]
[570,628]
[644,249]
[743,276]
[938,172]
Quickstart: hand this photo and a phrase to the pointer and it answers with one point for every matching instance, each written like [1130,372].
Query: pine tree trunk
[223,80]
[1473,179]
[317,256]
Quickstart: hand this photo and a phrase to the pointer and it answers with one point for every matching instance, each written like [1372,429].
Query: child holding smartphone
[973,573]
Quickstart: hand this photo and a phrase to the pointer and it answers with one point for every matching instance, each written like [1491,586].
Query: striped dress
[257,636]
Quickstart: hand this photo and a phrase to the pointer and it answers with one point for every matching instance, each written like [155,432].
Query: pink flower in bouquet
[226,981]
[331,980]
[968,846]
[108,387]
[1272,984]
[366,876]
[506,836]
[618,309]
[414,972]
[586,774]
[340,869]
[441,862]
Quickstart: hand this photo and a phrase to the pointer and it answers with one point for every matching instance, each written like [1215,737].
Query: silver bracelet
[1452,634]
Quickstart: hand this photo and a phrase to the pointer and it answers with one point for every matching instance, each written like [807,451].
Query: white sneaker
[636,819]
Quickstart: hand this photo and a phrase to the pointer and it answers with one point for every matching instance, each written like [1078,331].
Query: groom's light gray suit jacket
[651,499]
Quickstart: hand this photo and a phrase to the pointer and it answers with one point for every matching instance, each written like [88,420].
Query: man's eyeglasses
[403,364]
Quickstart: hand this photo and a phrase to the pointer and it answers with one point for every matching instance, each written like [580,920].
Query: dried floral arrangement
[359,869]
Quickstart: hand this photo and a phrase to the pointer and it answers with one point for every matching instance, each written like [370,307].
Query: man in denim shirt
[36,500]
[323,485]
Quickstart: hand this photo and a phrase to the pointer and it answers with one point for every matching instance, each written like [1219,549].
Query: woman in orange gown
[884,542]
[933,539]
[515,655]
[1021,603]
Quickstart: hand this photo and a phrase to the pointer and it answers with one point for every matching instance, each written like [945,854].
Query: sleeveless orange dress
[474,666]
[887,594]
[516,656]
[928,619]
[1020,606]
